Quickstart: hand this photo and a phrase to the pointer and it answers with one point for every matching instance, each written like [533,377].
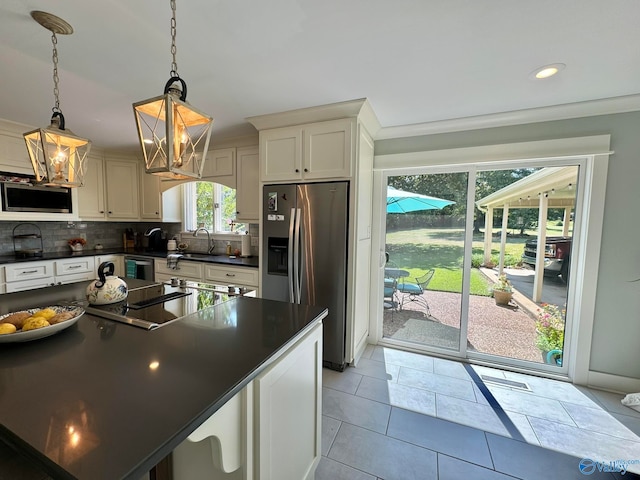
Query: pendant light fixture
[174,136]
[57,155]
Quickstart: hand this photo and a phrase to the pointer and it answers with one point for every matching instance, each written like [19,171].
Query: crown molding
[359,108]
[605,106]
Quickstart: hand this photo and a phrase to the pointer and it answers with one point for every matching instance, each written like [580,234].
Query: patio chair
[413,292]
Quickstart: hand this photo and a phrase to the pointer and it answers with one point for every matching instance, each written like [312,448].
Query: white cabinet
[117,260]
[309,152]
[215,273]
[185,269]
[281,154]
[22,276]
[91,198]
[110,191]
[29,275]
[269,430]
[288,418]
[220,166]
[150,198]
[71,270]
[231,275]
[122,189]
[248,189]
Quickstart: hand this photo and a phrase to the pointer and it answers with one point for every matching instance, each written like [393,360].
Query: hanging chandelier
[174,136]
[57,155]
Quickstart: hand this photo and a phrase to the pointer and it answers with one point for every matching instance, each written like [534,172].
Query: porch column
[565,222]
[542,240]
[503,236]
[488,234]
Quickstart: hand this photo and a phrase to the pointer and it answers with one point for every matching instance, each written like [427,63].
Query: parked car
[557,256]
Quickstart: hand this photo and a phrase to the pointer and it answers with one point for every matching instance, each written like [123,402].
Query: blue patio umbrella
[399,201]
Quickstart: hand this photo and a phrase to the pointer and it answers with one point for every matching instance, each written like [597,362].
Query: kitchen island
[102,400]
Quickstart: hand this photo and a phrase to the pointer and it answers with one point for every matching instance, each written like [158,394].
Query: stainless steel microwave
[21,197]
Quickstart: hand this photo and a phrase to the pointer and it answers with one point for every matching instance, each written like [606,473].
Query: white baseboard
[613,383]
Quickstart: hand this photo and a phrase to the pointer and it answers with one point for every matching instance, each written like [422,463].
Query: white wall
[616,332]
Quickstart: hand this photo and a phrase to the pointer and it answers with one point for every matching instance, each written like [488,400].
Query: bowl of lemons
[35,323]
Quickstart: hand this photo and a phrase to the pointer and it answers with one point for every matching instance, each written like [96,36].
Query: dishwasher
[139,267]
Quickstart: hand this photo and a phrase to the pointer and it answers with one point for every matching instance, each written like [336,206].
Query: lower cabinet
[186,270]
[270,430]
[29,275]
[23,276]
[240,276]
[117,260]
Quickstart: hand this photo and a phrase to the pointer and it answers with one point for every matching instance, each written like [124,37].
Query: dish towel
[172,260]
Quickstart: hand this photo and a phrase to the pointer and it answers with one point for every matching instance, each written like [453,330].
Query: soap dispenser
[229,248]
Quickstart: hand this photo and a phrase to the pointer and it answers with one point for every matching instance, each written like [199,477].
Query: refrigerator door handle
[296,259]
[290,266]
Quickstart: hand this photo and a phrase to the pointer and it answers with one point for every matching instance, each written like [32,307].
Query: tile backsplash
[56,234]
[109,235]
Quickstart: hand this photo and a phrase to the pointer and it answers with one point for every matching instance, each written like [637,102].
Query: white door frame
[591,153]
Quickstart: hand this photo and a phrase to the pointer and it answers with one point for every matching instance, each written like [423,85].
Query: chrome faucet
[210,244]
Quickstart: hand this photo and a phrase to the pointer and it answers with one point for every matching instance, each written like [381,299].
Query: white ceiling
[415,60]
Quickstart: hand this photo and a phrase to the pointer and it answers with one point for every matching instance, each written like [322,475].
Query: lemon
[46,313]
[7,328]
[34,322]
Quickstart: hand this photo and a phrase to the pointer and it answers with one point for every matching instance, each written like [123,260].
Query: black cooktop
[155,305]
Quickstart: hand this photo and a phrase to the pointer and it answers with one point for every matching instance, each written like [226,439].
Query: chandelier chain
[174,65]
[56,80]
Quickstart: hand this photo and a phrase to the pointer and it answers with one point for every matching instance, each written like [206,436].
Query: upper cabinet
[111,189]
[248,191]
[150,197]
[220,167]
[312,151]
[91,201]
[122,189]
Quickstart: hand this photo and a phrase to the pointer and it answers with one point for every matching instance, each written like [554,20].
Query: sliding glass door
[456,242]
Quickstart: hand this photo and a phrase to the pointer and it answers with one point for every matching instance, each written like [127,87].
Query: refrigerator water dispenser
[278,251]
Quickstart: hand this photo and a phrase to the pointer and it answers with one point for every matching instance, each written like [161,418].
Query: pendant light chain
[56,91]
[174,65]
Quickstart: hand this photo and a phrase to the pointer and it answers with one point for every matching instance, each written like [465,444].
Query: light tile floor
[402,415]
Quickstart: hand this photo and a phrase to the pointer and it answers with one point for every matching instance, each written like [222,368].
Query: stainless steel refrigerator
[305,229]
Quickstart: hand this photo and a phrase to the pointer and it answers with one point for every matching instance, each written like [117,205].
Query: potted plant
[550,333]
[77,244]
[503,290]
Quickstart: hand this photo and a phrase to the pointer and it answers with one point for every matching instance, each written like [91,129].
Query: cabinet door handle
[306,169]
[30,271]
[297,170]
[231,274]
[101,211]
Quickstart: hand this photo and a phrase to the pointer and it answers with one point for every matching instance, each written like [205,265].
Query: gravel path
[504,331]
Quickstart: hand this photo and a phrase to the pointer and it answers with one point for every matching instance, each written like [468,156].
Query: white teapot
[108,288]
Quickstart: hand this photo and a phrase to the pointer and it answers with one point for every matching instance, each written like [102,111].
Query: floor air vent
[505,382]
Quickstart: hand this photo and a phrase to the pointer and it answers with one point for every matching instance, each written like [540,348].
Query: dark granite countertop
[194,257]
[85,403]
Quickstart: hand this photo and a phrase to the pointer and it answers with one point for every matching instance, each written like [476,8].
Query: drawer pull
[231,274]
[30,271]
[74,266]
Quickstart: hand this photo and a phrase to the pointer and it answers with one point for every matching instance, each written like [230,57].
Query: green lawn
[418,250]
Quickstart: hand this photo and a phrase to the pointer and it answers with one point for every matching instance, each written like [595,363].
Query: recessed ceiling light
[547,71]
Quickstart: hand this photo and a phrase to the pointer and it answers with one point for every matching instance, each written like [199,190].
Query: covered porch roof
[558,183]
[549,187]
